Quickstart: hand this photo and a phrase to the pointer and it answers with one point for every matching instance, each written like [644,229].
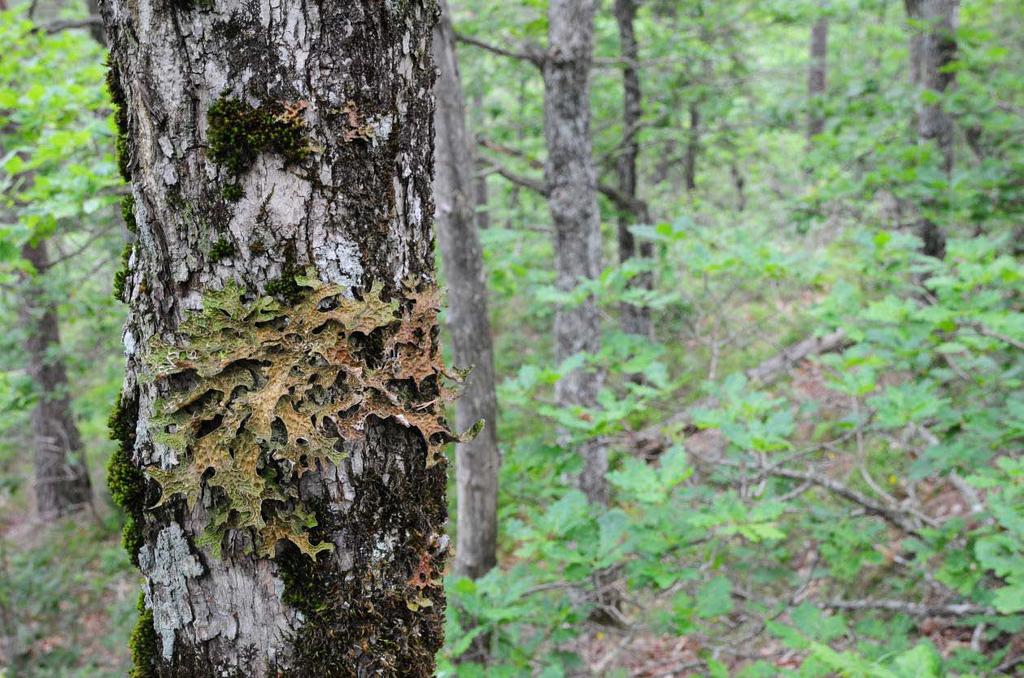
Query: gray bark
[633,319]
[61,478]
[357,210]
[816,76]
[572,181]
[477,461]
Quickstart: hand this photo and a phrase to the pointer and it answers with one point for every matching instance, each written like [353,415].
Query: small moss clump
[126,482]
[222,249]
[238,133]
[233,192]
[120,102]
[144,643]
[128,213]
[121,276]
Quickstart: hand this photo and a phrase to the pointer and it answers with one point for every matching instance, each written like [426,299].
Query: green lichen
[278,389]
[144,644]
[239,133]
[222,249]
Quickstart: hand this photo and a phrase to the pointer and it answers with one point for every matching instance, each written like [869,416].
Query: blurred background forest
[810,345]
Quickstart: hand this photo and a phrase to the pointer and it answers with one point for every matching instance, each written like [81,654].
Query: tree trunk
[816,76]
[281,160]
[692,149]
[483,215]
[570,174]
[633,319]
[477,461]
[932,50]
[937,53]
[61,478]
[915,13]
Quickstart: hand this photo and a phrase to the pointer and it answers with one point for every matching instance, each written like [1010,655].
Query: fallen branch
[894,516]
[651,438]
[912,609]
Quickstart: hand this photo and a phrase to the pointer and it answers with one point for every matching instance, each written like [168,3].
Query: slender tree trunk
[61,478]
[477,461]
[280,157]
[573,202]
[692,149]
[633,319]
[816,76]
[938,52]
[932,50]
[483,215]
[915,13]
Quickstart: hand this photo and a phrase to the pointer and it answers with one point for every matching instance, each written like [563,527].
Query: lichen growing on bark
[238,133]
[276,392]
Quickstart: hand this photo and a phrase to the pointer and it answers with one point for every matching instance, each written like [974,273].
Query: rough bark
[633,319]
[61,478]
[932,49]
[816,76]
[213,94]
[477,461]
[572,181]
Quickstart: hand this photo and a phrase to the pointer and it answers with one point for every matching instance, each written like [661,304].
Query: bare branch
[909,608]
[532,53]
[67,24]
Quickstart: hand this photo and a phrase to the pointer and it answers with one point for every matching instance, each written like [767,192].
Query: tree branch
[912,609]
[67,24]
[532,54]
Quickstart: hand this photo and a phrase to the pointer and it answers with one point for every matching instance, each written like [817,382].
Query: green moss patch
[239,133]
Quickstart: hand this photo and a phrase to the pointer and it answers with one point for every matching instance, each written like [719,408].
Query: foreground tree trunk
[816,76]
[61,478]
[634,319]
[572,180]
[477,461]
[280,456]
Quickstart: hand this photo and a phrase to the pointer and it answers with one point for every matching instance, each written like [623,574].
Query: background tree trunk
[349,204]
[692,149]
[634,319]
[816,76]
[477,461]
[932,50]
[62,483]
[570,174]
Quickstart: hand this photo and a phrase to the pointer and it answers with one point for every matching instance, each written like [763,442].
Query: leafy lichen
[277,391]
[238,133]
